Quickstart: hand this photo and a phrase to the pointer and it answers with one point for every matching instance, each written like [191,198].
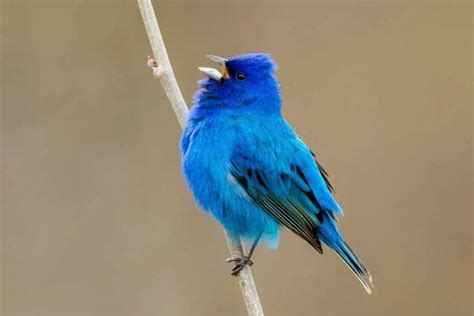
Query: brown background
[96,219]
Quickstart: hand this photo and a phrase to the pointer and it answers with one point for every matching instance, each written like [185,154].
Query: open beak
[214,73]
[220,60]
[211,73]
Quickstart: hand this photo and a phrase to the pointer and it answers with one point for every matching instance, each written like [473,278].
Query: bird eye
[240,76]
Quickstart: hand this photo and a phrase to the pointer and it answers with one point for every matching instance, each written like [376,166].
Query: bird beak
[211,73]
[214,73]
[220,60]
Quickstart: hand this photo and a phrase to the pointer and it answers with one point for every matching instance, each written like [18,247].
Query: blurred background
[96,219]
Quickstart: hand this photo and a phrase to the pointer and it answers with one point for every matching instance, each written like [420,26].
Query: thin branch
[163,71]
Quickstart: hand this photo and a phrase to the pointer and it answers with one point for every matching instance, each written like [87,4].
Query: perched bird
[247,167]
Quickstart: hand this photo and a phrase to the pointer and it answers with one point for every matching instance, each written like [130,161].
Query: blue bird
[247,167]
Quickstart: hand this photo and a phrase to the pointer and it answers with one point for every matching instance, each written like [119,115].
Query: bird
[248,169]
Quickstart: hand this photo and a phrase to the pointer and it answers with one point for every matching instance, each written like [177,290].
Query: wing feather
[286,210]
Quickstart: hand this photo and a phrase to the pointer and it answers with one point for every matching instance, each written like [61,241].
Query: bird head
[242,82]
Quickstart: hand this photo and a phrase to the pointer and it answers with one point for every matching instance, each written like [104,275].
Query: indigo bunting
[247,167]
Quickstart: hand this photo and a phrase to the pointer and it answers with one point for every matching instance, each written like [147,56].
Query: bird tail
[355,264]
[330,235]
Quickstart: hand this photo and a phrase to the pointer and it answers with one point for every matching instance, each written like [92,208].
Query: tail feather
[355,264]
[331,236]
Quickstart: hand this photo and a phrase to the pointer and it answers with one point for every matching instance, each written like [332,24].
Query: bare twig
[163,71]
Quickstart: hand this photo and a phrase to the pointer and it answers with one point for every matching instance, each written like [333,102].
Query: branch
[163,71]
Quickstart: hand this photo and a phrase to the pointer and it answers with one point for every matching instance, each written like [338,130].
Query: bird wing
[294,193]
[324,174]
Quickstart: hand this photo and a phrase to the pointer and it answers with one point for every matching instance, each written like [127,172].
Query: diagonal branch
[163,71]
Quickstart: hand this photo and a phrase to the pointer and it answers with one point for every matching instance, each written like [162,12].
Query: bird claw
[240,263]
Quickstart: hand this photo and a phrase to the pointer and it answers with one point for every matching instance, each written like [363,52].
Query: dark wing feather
[287,211]
[324,173]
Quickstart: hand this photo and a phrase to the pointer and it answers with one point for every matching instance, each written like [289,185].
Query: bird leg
[241,262]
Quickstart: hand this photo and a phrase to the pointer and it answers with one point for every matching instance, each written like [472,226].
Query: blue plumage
[246,166]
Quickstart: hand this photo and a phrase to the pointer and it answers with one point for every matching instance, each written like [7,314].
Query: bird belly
[241,217]
[218,193]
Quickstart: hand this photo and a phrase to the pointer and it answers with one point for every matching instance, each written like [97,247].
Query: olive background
[96,218]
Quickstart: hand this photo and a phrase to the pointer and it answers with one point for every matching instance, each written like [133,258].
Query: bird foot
[240,263]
